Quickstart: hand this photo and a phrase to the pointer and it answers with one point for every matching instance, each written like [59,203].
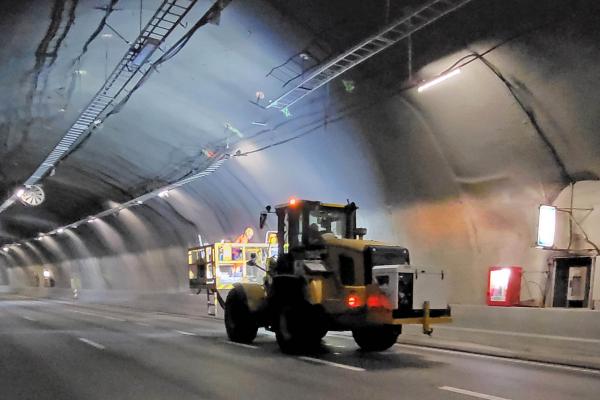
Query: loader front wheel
[240,324]
[376,338]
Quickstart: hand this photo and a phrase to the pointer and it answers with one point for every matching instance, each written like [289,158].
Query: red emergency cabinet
[504,286]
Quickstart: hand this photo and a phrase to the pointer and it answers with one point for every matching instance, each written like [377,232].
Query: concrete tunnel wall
[455,173]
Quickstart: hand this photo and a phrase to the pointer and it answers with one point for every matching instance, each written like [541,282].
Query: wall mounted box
[504,286]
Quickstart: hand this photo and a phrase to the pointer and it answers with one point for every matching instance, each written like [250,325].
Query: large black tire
[376,338]
[240,324]
[295,330]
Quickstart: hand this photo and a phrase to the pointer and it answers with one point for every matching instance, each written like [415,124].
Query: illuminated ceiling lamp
[546,226]
[164,194]
[439,79]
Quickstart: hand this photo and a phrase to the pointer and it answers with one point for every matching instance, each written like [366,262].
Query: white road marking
[29,318]
[92,343]
[248,346]
[470,393]
[498,358]
[332,364]
[111,318]
[186,333]
[82,312]
[97,315]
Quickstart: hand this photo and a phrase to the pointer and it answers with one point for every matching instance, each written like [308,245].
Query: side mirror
[263,219]
[360,232]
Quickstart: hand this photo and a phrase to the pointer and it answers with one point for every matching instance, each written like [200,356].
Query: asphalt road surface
[60,350]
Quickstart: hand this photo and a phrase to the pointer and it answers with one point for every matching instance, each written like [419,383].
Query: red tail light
[353,301]
[378,301]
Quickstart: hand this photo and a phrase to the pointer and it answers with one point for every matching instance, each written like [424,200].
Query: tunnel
[131,131]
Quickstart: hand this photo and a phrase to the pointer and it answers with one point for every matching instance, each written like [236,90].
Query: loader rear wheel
[295,330]
[376,338]
[240,324]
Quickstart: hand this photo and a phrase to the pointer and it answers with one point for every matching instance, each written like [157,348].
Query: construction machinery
[218,266]
[326,277]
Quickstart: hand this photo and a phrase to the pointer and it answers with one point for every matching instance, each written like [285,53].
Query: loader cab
[302,225]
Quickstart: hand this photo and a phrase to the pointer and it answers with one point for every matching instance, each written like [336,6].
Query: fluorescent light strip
[439,79]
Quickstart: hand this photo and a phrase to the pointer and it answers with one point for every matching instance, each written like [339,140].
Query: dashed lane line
[186,333]
[111,318]
[247,346]
[332,364]
[92,343]
[471,393]
[97,315]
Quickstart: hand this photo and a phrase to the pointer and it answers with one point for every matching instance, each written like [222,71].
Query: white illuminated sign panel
[546,226]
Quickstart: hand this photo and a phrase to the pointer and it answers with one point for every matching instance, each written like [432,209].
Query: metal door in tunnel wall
[572,276]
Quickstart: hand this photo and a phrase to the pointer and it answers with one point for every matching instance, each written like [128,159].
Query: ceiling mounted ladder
[127,73]
[392,34]
[165,19]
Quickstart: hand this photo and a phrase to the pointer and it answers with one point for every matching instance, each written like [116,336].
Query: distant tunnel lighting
[20,192]
[439,79]
[139,202]
[546,226]
[46,273]
[90,220]
[60,230]
[39,238]
[164,194]
[145,52]
[6,248]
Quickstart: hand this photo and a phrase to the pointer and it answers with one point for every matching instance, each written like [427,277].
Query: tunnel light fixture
[46,273]
[439,79]
[546,226]
[92,219]
[163,194]
[60,230]
[139,202]
[20,192]
[6,248]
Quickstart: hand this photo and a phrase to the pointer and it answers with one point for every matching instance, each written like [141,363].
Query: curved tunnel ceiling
[445,171]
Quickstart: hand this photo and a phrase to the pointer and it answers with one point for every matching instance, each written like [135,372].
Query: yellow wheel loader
[326,277]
